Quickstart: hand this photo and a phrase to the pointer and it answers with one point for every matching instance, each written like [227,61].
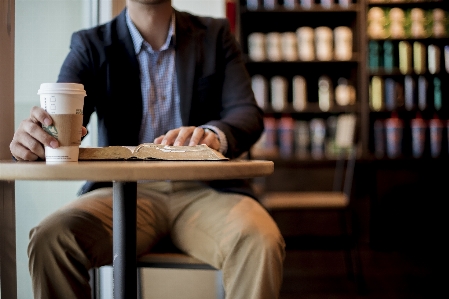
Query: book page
[151,151]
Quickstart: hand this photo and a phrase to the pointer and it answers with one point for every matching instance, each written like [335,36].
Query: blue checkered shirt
[160,96]
[159,87]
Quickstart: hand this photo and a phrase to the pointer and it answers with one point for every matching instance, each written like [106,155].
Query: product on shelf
[343,43]
[273,46]
[437,97]
[433,58]
[376,93]
[344,93]
[317,137]
[306,47]
[259,85]
[422,92]
[390,94]
[256,46]
[379,138]
[436,134]
[409,93]
[325,93]
[289,46]
[418,132]
[419,58]
[299,93]
[302,139]
[286,132]
[279,87]
[405,57]
[324,43]
[394,133]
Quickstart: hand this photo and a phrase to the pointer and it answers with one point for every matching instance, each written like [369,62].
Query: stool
[163,256]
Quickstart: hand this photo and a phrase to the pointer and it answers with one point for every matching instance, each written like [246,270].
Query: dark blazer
[213,83]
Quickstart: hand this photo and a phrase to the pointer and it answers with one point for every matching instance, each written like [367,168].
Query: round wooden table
[125,175]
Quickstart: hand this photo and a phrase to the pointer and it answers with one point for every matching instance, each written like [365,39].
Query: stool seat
[172,260]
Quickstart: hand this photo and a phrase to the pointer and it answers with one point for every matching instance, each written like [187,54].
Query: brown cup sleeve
[66,128]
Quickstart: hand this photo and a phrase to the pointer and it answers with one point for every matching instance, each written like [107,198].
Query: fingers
[189,136]
[39,115]
[83,131]
[180,136]
[29,139]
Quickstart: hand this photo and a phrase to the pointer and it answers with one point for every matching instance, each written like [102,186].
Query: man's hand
[189,136]
[29,139]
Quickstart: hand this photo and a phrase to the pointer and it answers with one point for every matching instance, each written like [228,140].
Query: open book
[151,151]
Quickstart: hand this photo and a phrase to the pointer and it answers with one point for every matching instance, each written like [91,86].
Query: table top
[128,171]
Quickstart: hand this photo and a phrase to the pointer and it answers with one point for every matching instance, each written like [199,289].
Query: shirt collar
[138,40]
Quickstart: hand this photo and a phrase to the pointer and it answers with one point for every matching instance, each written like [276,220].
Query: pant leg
[66,244]
[233,233]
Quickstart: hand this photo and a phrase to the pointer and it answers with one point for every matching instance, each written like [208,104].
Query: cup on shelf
[273,46]
[343,43]
[324,43]
[299,93]
[260,88]
[306,44]
[289,46]
[252,4]
[256,46]
[279,88]
[307,4]
[269,4]
[64,102]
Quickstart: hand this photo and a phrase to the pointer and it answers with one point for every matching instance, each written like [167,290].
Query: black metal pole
[124,240]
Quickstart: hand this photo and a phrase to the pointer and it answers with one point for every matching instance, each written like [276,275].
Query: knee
[261,235]
[47,235]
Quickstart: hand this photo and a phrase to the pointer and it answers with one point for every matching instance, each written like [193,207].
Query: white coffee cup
[64,101]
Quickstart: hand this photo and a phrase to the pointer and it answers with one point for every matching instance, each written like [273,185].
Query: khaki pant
[232,232]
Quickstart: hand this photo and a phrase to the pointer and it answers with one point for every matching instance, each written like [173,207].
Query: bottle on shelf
[325,93]
[436,136]
[418,129]
[394,133]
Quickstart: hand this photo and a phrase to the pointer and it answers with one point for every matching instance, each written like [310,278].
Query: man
[154,74]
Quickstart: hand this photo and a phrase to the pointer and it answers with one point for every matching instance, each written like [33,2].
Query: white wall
[212,8]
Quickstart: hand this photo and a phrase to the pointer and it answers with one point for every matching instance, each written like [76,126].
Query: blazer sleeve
[78,68]
[241,118]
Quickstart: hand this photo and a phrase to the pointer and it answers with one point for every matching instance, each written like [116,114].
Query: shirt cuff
[221,137]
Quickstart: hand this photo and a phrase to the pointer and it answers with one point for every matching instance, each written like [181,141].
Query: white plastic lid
[69,88]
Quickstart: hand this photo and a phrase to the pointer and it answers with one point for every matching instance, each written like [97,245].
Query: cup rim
[67,88]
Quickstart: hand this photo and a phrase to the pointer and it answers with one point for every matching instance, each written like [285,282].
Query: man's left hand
[189,136]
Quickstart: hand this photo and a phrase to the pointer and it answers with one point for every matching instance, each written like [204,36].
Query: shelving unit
[403,107]
[282,20]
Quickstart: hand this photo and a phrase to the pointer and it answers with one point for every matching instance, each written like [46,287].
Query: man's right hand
[29,139]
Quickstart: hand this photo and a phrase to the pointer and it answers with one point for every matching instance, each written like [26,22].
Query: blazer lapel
[186,61]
